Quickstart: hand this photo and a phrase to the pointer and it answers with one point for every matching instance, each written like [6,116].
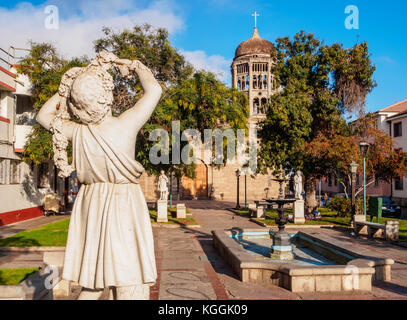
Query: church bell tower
[251,73]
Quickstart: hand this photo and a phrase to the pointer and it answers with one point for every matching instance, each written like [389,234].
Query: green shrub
[341,205]
[359,204]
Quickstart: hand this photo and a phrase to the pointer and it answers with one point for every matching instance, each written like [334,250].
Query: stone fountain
[282,248]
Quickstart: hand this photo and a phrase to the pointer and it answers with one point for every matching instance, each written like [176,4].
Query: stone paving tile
[26,260]
[14,228]
[175,254]
[175,277]
[174,264]
[22,264]
[188,291]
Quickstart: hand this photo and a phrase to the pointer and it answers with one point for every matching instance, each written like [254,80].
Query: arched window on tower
[259,81]
[263,105]
[247,85]
[256,106]
[265,82]
[254,82]
[239,85]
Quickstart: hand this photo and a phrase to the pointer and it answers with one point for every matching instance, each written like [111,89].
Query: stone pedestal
[392,230]
[282,248]
[359,218]
[162,211]
[181,211]
[260,212]
[298,210]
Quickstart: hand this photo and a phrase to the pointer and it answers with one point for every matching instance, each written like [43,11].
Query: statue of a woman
[298,185]
[110,241]
[162,185]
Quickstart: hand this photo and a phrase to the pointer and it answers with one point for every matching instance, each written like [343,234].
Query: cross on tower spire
[255,15]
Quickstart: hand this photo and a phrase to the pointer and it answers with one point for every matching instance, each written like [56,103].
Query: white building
[392,120]
[22,186]
[396,125]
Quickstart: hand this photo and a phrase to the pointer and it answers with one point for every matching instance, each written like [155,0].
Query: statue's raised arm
[137,116]
[87,93]
[134,118]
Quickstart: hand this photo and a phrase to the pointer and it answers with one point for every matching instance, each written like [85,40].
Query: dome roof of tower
[255,45]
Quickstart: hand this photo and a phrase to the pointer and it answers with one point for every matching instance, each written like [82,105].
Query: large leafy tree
[196,99]
[199,102]
[319,85]
[152,47]
[333,153]
[44,67]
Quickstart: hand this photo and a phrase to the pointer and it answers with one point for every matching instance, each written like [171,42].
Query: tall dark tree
[196,99]
[200,102]
[44,67]
[152,47]
[319,85]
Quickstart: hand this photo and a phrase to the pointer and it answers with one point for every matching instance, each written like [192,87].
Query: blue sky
[208,32]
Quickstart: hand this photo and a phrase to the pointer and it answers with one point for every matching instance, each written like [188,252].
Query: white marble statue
[162,185]
[298,185]
[110,241]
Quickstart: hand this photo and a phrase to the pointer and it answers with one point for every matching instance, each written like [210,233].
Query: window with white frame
[15,171]
[4,171]
[3,105]
[398,183]
[398,132]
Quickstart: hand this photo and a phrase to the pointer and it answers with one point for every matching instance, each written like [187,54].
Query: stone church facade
[250,74]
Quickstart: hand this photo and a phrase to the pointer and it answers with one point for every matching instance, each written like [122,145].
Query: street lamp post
[237,198]
[319,199]
[245,190]
[364,148]
[171,190]
[353,170]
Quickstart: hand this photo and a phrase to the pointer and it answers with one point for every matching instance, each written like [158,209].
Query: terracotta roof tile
[254,45]
[397,107]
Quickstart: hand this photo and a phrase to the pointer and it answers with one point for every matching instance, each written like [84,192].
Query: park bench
[264,204]
[390,230]
[257,210]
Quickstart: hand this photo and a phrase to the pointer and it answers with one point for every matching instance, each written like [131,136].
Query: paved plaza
[190,268]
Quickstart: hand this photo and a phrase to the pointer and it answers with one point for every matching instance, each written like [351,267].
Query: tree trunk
[310,194]
[178,194]
[66,193]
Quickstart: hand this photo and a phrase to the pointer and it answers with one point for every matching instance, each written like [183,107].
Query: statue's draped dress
[110,240]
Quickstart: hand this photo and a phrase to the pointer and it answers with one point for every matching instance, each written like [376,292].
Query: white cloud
[80,23]
[386,59]
[213,63]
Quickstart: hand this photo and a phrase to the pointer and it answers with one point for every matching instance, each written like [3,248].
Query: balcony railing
[9,80]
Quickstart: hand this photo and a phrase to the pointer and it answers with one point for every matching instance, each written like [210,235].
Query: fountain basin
[319,265]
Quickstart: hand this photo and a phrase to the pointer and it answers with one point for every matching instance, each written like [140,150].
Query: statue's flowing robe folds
[110,240]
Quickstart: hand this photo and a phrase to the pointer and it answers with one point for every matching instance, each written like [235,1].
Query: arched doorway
[198,187]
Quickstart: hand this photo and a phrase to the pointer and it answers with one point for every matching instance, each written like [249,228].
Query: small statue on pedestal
[162,185]
[298,185]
